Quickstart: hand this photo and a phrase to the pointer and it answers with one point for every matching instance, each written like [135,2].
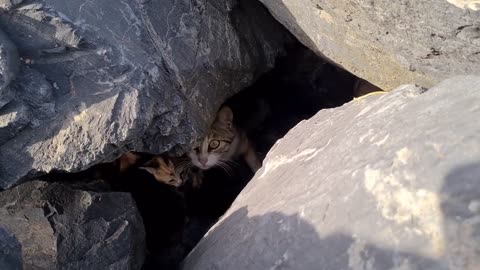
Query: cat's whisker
[232,162]
[226,167]
[221,165]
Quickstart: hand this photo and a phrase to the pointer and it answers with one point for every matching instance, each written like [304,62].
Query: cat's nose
[203,160]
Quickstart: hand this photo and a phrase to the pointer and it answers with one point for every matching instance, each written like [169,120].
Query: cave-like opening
[176,217]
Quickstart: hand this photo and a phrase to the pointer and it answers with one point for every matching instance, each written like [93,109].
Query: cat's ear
[127,160]
[225,116]
[151,166]
[148,169]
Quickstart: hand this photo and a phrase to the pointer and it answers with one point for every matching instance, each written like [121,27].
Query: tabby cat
[224,143]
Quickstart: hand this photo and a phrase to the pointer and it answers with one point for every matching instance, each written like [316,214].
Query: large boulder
[60,227]
[389,181]
[389,43]
[99,78]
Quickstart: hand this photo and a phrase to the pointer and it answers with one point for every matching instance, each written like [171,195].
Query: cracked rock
[60,227]
[145,76]
[388,43]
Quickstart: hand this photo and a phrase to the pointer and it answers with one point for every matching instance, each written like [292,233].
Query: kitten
[154,187]
[174,171]
[161,167]
[163,170]
[223,143]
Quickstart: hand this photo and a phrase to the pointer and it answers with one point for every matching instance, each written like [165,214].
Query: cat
[163,170]
[154,181]
[224,143]
[170,170]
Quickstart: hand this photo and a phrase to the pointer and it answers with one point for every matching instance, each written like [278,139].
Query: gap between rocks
[176,219]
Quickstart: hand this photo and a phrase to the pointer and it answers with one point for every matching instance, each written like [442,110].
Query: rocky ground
[387,181]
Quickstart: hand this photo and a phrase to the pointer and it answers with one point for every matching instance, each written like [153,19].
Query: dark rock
[145,76]
[10,251]
[388,181]
[64,228]
[33,89]
[9,65]
[13,118]
[388,43]
[8,4]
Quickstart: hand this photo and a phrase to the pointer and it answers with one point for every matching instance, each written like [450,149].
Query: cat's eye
[214,144]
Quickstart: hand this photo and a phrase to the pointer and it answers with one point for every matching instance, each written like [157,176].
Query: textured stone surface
[100,80]
[389,43]
[9,66]
[10,251]
[13,118]
[8,4]
[466,4]
[63,228]
[389,181]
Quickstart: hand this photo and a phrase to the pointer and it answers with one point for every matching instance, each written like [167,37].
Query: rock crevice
[96,81]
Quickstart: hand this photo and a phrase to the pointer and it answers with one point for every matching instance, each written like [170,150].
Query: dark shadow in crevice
[298,87]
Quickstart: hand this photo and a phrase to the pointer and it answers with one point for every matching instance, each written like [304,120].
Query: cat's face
[215,147]
[164,171]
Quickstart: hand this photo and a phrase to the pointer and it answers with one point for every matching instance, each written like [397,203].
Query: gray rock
[145,76]
[388,181]
[14,117]
[10,251]
[65,228]
[9,66]
[388,43]
[8,4]
[34,90]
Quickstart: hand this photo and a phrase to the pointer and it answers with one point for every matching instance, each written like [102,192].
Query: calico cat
[154,187]
[163,170]
[223,143]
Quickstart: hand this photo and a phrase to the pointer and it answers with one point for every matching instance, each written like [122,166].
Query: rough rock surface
[9,66]
[59,227]
[10,251]
[144,75]
[388,181]
[389,43]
